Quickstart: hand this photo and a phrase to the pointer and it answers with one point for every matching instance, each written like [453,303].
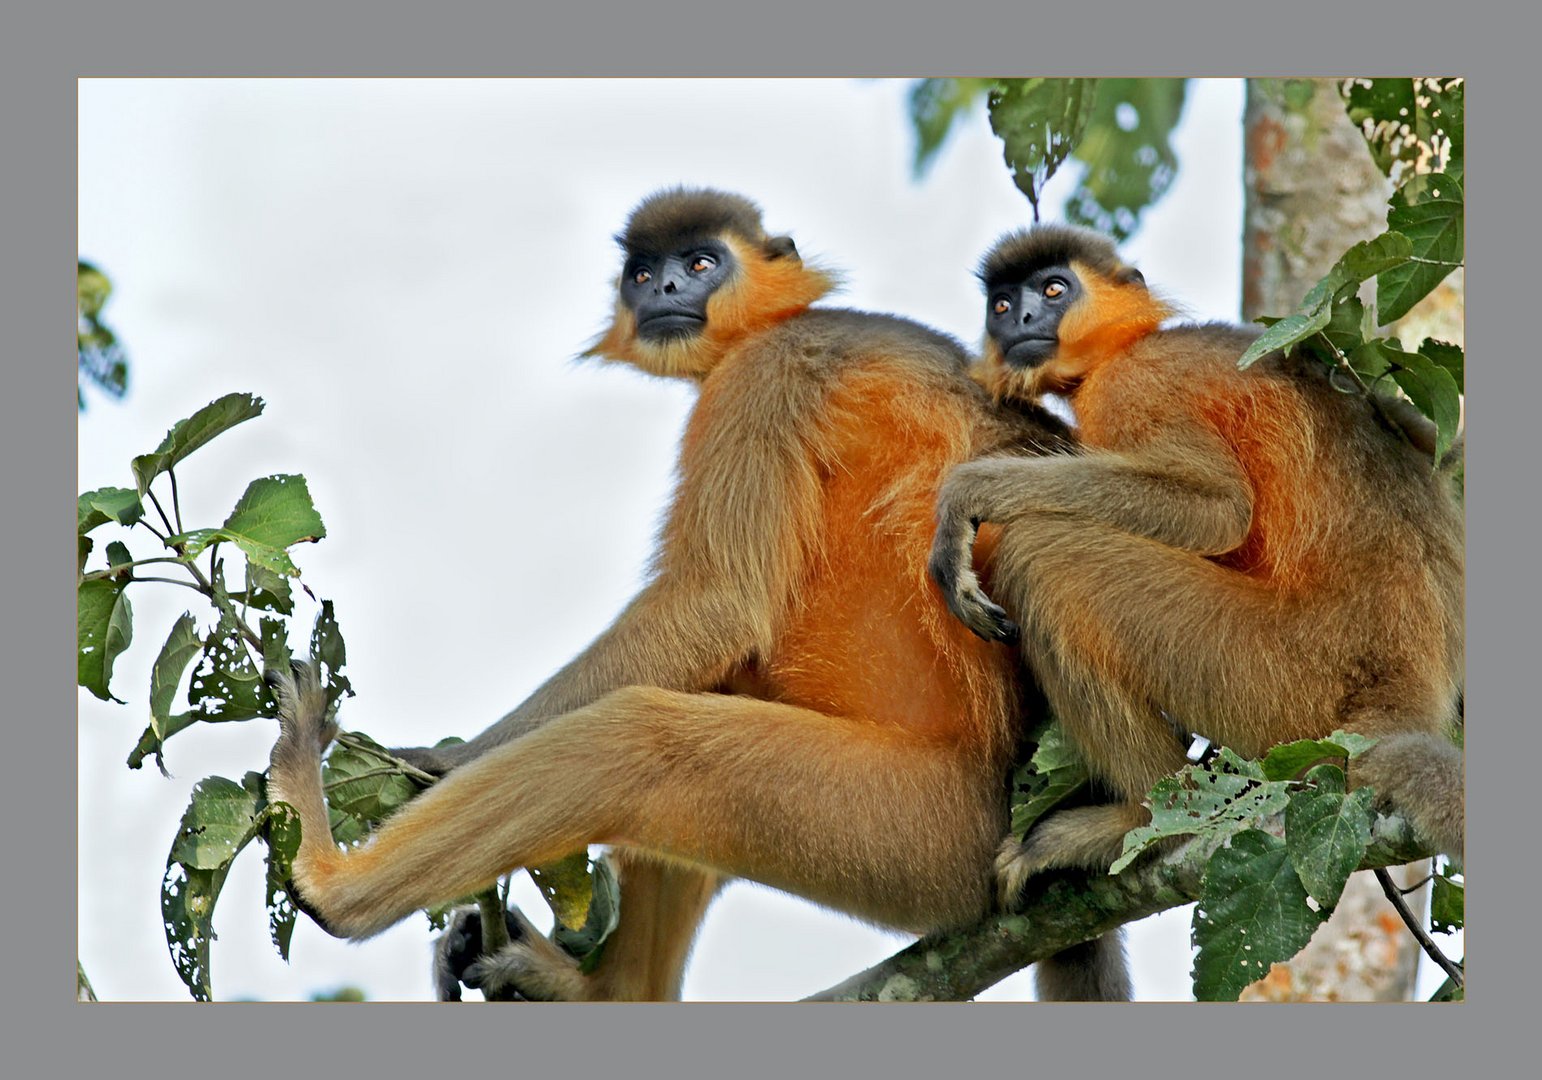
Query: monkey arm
[1187,494]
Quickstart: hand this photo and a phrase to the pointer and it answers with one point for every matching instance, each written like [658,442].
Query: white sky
[404,270]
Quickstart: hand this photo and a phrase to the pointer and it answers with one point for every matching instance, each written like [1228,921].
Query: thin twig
[176,505]
[173,581]
[114,571]
[354,743]
[164,519]
[1395,898]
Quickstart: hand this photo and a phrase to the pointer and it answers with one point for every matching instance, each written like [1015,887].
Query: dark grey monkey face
[668,291]
[1023,317]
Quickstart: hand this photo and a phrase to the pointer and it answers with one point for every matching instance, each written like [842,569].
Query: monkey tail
[1095,970]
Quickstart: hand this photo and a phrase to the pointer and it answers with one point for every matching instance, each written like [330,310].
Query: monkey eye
[1001,305]
[1054,289]
[702,263]
[641,276]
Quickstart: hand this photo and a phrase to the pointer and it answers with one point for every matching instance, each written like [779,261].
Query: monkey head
[1058,302]
[700,275]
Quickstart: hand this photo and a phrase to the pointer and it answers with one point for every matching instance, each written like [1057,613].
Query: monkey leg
[644,957]
[870,819]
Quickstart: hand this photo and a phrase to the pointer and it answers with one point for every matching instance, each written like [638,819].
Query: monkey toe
[1015,865]
[986,618]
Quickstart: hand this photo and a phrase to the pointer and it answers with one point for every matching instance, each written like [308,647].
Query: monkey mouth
[669,324]
[1030,352]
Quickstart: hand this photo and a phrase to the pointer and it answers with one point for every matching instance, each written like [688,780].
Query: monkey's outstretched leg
[871,818]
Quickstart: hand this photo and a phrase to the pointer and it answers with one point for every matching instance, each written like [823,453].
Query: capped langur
[787,700]
[1251,556]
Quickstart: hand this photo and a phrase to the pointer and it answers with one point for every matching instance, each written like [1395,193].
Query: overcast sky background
[404,271]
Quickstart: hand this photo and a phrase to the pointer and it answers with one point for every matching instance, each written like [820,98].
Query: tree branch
[1068,909]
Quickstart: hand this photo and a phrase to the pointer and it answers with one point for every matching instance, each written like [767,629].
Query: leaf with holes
[226,685]
[220,820]
[1448,903]
[281,833]
[1416,125]
[1213,801]
[1054,772]
[273,514]
[104,627]
[329,650]
[1327,832]
[1252,914]
[1038,122]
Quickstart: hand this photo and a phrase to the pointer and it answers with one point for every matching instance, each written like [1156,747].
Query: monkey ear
[778,247]
[1131,276]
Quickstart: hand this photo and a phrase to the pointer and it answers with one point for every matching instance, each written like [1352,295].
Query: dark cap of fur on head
[1020,253]
[666,218]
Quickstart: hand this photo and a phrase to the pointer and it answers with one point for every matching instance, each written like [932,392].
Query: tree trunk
[1312,190]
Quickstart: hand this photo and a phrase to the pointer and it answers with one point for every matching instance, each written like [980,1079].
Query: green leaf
[1291,760]
[1414,124]
[1344,332]
[216,824]
[1252,914]
[602,915]
[1038,122]
[566,887]
[1448,904]
[266,590]
[188,435]
[91,289]
[935,105]
[1130,161]
[82,553]
[273,514]
[107,504]
[182,644]
[187,910]
[1448,357]
[1214,801]
[328,650]
[1053,773]
[1327,832]
[1449,991]
[1290,330]
[220,821]
[1428,211]
[281,832]
[104,627]
[1361,262]
[226,684]
[363,788]
[1431,388]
